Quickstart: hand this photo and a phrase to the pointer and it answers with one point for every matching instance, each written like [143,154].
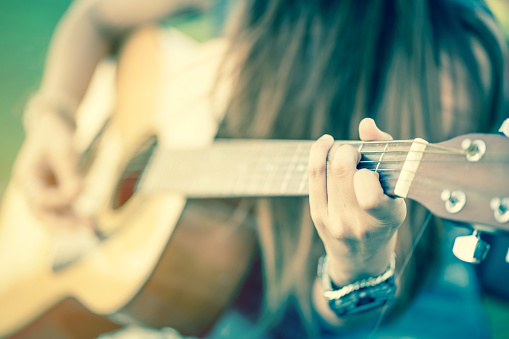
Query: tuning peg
[470,248]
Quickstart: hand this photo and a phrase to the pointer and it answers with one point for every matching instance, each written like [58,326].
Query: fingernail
[326,137]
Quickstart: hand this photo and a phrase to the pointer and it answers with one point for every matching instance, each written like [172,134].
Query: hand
[356,221]
[46,169]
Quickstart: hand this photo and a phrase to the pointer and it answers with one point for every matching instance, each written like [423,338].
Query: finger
[56,182]
[317,168]
[340,187]
[44,193]
[35,178]
[68,180]
[33,173]
[371,198]
[368,131]
[47,197]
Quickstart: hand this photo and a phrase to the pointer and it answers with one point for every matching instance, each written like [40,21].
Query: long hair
[306,68]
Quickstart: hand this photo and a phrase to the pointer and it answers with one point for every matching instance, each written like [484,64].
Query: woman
[337,62]
[302,69]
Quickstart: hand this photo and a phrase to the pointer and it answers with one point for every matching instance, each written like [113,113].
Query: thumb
[368,131]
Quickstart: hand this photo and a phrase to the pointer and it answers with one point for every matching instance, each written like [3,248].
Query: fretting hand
[356,221]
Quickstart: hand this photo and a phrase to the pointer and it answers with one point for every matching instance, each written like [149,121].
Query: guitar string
[247,159]
[260,170]
[193,155]
[233,143]
[378,162]
[378,143]
[369,162]
[426,151]
[419,182]
[431,183]
[438,148]
[383,143]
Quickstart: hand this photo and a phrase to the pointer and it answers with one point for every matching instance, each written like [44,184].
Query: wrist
[345,268]
[43,104]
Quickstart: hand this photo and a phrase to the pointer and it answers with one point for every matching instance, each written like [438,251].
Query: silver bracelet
[359,296]
[42,103]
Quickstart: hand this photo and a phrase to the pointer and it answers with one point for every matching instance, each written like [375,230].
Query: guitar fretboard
[234,168]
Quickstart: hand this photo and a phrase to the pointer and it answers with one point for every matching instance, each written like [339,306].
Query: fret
[381,157]
[290,171]
[239,178]
[276,162]
[303,183]
[286,179]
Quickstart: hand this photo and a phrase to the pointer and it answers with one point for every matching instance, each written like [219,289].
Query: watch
[360,296]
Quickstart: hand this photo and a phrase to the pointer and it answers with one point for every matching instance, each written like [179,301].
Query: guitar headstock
[466,179]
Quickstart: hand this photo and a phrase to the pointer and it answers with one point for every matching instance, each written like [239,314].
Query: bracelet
[42,103]
[360,296]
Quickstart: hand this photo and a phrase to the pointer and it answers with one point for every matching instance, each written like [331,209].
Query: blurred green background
[25,31]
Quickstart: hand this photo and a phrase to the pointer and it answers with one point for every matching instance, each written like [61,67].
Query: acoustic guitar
[137,190]
[196,275]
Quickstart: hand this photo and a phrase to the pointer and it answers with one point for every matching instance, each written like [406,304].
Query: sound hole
[132,173]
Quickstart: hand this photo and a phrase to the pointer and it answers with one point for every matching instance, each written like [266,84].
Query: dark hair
[306,68]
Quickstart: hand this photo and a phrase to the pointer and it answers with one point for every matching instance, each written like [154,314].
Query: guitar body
[197,272]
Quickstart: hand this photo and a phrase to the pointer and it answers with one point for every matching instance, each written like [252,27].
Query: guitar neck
[254,168]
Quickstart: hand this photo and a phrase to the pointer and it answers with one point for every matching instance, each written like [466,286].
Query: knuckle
[338,166]
[365,233]
[341,233]
[340,230]
[346,240]
[316,171]
[317,166]
[374,234]
[319,216]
